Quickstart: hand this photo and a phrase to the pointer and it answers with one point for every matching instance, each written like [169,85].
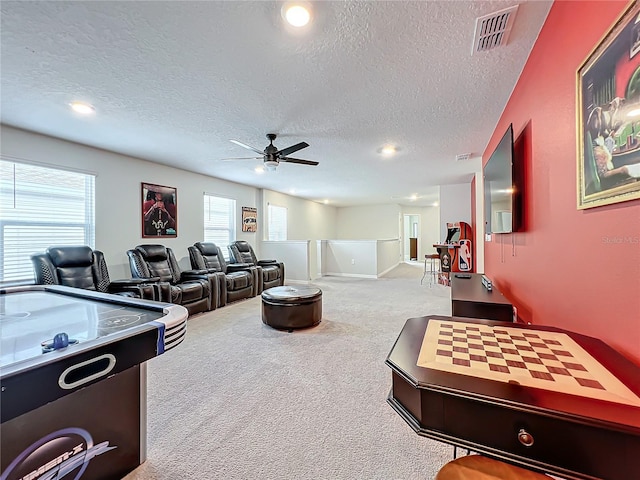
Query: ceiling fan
[272,156]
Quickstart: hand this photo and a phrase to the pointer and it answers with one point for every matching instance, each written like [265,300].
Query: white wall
[386,255]
[306,220]
[118,205]
[359,258]
[478,235]
[371,222]
[296,256]
[352,258]
[429,228]
[455,206]
[118,196]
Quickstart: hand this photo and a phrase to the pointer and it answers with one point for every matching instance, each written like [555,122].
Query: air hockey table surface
[75,359]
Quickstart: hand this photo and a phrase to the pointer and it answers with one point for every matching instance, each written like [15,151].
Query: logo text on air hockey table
[64,454]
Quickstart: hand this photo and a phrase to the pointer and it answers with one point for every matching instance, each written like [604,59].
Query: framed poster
[249,219]
[159,211]
[608,114]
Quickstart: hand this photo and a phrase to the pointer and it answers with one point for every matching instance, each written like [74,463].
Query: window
[41,207]
[277,222]
[219,222]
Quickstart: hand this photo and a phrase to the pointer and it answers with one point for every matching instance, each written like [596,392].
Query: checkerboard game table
[542,398]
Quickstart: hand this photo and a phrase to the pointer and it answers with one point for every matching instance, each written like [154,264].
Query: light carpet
[240,400]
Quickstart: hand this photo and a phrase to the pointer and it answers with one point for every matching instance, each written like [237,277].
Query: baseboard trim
[388,270]
[354,275]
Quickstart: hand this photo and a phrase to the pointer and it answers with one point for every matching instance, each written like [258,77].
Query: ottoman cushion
[288,307]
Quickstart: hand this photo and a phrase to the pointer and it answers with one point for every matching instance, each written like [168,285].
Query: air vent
[493,30]
[463,156]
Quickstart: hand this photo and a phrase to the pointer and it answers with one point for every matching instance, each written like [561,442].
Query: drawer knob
[525,438]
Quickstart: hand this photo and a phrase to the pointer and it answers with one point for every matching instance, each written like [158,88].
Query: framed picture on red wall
[609,116]
[159,211]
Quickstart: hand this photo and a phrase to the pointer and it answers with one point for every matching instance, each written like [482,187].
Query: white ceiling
[173,82]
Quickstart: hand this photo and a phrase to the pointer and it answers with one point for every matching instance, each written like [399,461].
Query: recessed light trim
[82,108]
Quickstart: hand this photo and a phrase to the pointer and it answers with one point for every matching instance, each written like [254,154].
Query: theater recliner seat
[191,289]
[272,271]
[81,267]
[237,281]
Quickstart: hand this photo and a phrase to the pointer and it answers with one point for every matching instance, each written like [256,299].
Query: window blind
[277,222]
[41,207]
[219,222]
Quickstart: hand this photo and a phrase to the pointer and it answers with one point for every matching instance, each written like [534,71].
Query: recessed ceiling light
[292,191]
[259,170]
[388,150]
[298,15]
[83,108]
[326,202]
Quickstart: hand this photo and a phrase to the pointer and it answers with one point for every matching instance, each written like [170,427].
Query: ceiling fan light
[270,165]
[296,14]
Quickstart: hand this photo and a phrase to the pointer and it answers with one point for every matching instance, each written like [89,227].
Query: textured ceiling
[173,82]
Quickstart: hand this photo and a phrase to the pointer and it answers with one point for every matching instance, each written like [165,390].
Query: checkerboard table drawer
[542,439]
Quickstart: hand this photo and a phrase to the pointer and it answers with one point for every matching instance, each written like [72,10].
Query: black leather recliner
[191,289]
[81,267]
[272,271]
[237,281]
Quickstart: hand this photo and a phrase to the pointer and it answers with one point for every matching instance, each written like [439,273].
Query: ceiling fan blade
[241,158]
[293,148]
[248,147]
[298,160]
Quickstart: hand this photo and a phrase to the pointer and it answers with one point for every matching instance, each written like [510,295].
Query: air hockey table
[73,380]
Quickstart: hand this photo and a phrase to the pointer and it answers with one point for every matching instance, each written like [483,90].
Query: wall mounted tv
[502,191]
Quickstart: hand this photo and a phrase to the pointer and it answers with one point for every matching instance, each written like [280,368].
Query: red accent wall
[573,269]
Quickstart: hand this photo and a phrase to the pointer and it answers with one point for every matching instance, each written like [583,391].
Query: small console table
[469,298]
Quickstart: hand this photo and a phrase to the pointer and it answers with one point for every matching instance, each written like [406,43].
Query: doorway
[411,234]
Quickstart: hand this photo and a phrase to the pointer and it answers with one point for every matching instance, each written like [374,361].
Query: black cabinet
[469,298]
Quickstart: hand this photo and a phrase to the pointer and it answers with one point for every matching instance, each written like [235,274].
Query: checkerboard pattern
[528,357]
[510,352]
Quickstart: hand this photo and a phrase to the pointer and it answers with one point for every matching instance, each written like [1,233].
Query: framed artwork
[608,114]
[249,219]
[159,211]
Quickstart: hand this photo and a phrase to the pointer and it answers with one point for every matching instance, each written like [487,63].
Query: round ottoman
[288,308]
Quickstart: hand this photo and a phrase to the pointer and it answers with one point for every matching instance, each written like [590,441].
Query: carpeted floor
[240,400]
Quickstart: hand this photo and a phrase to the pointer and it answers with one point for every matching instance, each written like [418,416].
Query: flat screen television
[502,197]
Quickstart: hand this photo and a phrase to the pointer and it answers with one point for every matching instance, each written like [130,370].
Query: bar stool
[477,467]
[434,266]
